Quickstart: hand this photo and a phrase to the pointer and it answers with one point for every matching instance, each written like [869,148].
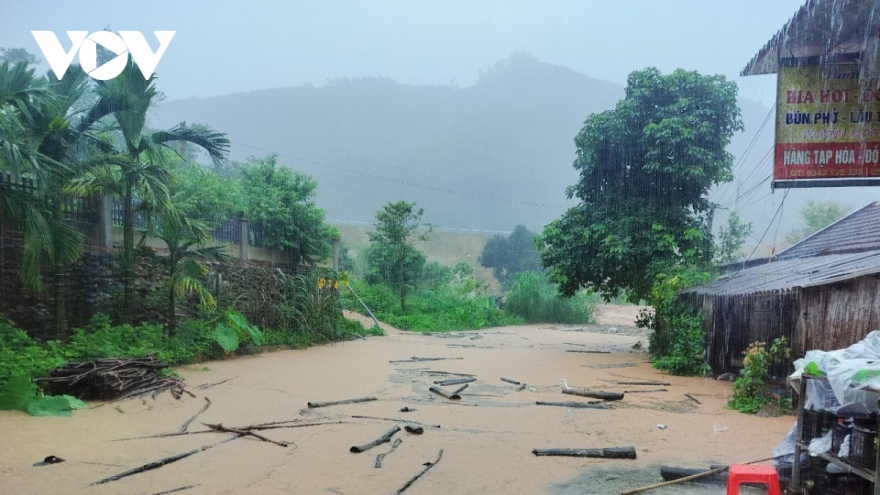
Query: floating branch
[595,394]
[159,463]
[588,352]
[414,478]
[379,457]
[206,386]
[691,397]
[652,384]
[645,391]
[398,420]
[248,428]
[313,405]
[415,359]
[238,432]
[576,405]
[607,453]
[521,387]
[432,372]
[444,393]
[385,438]
[190,420]
[175,490]
[454,381]
[459,389]
[508,380]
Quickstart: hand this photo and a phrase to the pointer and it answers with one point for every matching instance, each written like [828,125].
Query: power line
[778,210]
[398,181]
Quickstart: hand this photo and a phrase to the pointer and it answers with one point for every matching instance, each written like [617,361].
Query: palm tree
[185,239]
[36,178]
[143,173]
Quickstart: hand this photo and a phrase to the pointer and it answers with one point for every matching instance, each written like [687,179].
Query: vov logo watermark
[86,44]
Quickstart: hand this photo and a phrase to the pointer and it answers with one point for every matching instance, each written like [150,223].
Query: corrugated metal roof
[856,232]
[794,273]
[821,28]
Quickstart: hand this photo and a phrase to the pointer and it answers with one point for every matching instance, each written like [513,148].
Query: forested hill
[510,136]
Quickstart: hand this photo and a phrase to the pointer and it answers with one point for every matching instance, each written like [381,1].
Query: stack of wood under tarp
[111,378]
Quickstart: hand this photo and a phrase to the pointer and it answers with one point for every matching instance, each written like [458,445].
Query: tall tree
[392,255]
[16,55]
[281,203]
[143,174]
[731,238]
[186,241]
[512,254]
[645,169]
[816,216]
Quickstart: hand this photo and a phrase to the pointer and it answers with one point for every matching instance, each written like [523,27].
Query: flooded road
[487,437]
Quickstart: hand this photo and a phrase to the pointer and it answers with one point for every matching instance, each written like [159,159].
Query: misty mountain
[505,144]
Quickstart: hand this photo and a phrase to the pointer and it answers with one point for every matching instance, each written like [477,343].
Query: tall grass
[536,300]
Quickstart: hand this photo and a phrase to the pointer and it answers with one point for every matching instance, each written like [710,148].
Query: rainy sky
[222,47]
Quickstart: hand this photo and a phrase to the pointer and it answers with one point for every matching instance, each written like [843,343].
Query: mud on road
[487,437]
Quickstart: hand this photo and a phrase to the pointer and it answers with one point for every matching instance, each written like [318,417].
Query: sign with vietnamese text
[827,127]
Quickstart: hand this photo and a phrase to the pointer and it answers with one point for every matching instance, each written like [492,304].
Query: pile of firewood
[112,378]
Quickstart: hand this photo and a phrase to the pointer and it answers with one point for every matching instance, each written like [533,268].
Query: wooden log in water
[454,381]
[460,389]
[595,394]
[385,438]
[606,453]
[508,380]
[313,405]
[415,430]
[379,457]
[421,473]
[444,393]
[654,384]
[575,405]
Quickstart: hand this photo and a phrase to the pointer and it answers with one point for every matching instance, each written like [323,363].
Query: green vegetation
[536,300]
[646,168]
[511,255]
[750,390]
[678,342]
[816,216]
[392,256]
[731,238]
[441,309]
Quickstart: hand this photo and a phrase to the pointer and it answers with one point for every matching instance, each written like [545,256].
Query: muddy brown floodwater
[487,437]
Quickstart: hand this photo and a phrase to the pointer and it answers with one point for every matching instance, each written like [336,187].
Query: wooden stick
[687,478]
[379,457]
[595,394]
[222,428]
[607,453]
[432,372]
[575,405]
[444,393]
[589,352]
[385,438]
[521,387]
[313,405]
[459,389]
[421,359]
[645,391]
[414,478]
[454,381]
[656,384]
[190,420]
[175,490]
[209,385]
[691,397]
[508,380]
[398,420]
[157,464]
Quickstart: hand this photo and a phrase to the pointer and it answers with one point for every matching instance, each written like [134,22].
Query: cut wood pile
[112,378]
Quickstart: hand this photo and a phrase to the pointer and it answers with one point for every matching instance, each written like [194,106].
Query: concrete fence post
[244,237]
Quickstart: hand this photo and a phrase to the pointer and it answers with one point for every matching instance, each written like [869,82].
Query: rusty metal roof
[857,232]
[823,28]
[783,276]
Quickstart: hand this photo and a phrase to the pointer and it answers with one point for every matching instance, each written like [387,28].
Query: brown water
[487,438]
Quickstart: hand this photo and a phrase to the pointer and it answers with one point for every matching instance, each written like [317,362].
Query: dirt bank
[487,437]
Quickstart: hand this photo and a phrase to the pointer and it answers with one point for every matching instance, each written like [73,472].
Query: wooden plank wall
[837,316]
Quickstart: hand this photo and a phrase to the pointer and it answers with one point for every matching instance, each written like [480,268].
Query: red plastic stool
[742,473]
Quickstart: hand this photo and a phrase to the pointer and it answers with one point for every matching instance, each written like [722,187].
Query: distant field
[445,247]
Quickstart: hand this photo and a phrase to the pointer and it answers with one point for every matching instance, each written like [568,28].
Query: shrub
[750,388]
[21,355]
[536,300]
